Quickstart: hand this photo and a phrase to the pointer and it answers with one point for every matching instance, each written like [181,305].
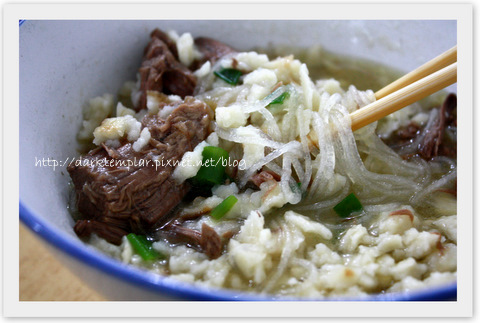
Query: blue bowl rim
[171,287]
[168,286]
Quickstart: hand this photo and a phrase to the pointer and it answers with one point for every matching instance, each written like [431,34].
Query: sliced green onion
[221,209]
[348,205]
[280,99]
[277,96]
[229,75]
[143,247]
[212,171]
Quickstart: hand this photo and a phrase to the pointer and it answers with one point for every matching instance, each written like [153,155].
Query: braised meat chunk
[437,138]
[132,191]
[161,71]
[207,240]
[211,49]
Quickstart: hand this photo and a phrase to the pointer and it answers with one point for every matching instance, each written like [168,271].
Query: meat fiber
[138,197]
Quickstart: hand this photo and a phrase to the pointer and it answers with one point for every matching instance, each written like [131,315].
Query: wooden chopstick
[404,96]
[439,62]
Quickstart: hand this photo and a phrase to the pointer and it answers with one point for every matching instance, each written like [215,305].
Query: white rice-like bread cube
[185,260]
[249,133]
[330,86]
[224,191]
[236,281]
[153,102]
[354,236]
[221,227]
[408,267]
[367,278]
[364,256]
[257,93]
[322,255]
[249,258]
[230,117]
[116,128]
[251,228]
[247,203]
[212,139]
[123,111]
[420,118]
[186,49]
[385,263]
[395,224]
[443,260]
[295,242]
[265,238]
[447,225]
[336,183]
[127,250]
[174,97]
[113,143]
[204,70]
[435,279]
[248,61]
[407,284]
[273,196]
[339,277]
[216,272]
[162,247]
[388,242]
[438,278]
[143,140]
[298,273]
[173,35]
[305,224]
[94,113]
[287,69]
[253,231]
[102,244]
[419,244]
[136,260]
[252,153]
[190,164]
[261,76]
[292,281]
[166,111]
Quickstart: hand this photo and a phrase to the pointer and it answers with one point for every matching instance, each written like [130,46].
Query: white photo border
[462,13]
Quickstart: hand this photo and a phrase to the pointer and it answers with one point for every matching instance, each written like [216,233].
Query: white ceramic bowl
[65,63]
